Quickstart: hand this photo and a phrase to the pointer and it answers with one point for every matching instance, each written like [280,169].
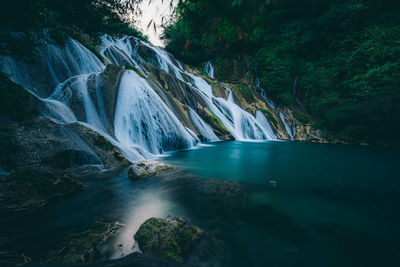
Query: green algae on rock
[171,238]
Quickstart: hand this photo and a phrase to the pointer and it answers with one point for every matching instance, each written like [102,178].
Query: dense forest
[83,20]
[340,58]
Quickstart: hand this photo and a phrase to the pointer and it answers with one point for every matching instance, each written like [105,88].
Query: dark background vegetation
[345,53]
[84,20]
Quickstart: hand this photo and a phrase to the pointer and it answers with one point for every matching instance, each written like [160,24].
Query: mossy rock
[219,128]
[270,117]
[246,93]
[171,238]
[103,143]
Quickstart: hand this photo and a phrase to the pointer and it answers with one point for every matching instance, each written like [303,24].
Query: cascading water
[262,119]
[291,131]
[141,123]
[142,118]
[209,70]
[240,123]
[263,94]
[204,129]
[54,65]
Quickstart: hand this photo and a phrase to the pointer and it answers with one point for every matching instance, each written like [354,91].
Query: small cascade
[291,131]
[294,92]
[58,111]
[143,119]
[52,66]
[166,62]
[262,119]
[209,70]
[76,89]
[263,94]
[204,129]
[120,51]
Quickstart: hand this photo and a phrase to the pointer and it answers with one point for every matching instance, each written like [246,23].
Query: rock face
[146,168]
[171,238]
[44,144]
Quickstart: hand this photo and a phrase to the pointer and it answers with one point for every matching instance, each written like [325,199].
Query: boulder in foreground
[171,238]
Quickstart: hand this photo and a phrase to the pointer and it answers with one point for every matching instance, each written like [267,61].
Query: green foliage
[246,93]
[344,52]
[301,117]
[61,19]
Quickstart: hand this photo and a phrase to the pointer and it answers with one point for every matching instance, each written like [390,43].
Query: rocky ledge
[146,168]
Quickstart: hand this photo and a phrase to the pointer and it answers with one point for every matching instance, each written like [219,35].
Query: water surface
[273,204]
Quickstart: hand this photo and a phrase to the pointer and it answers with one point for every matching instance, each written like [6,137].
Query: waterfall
[142,118]
[70,82]
[209,70]
[290,131]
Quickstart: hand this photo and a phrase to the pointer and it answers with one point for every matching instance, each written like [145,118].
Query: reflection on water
[147,204]
[330,206]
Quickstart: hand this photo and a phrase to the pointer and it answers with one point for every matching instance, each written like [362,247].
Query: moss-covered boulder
[32,189]
[215,122]
[146,168]
[171,238]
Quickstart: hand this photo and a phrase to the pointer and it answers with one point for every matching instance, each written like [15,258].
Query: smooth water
[337,204]
[290,204]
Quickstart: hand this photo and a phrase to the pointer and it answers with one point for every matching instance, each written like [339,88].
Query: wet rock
[28,190]
[44,144]
[146,168]
[171,238]
[217,125]
[86,246]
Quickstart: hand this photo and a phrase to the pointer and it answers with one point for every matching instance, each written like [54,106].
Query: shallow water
[296,204]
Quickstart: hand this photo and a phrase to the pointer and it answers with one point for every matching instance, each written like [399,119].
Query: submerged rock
[29,190]
[171,238]
[146,168]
